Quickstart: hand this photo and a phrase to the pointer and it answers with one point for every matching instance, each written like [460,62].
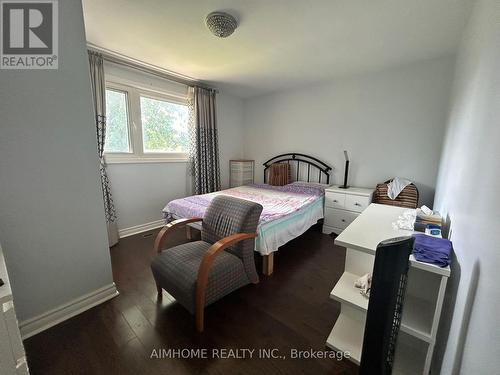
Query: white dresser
[342,206]
[241,172]
[12,356]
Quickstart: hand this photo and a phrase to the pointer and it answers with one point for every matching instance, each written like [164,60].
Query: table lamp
[346,172]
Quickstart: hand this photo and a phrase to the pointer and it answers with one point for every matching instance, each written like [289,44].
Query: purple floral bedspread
[277,201]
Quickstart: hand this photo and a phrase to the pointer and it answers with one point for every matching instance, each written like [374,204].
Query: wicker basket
[407,198]
[279,174]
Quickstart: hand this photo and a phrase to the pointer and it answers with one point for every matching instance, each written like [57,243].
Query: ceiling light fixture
[221,24]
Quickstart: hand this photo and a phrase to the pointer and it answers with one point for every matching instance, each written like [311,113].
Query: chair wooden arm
[160,238]
[206,263]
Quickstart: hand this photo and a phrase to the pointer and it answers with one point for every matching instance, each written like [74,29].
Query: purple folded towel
[432,250]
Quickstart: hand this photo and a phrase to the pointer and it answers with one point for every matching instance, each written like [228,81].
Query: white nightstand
[342,206]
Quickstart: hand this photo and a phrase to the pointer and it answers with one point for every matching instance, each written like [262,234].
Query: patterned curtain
[99,96]
[204,149]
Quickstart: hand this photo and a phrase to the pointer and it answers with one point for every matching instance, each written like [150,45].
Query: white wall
[468,194]
[52,224]
[230,124]
[141,190]
[391,122]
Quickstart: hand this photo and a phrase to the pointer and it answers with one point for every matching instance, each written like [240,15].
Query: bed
[288,211]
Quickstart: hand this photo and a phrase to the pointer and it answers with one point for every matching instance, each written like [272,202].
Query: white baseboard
[125,232]
[68,310]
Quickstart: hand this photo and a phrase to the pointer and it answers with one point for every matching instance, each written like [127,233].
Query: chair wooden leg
[199,316]
[268,264]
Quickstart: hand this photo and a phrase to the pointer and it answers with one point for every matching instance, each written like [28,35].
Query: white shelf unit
[342,206]
[410,355]
[12,356]
[423,299]
[347,335]
[241,172]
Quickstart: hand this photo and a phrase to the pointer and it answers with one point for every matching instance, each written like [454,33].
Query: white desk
[423,300]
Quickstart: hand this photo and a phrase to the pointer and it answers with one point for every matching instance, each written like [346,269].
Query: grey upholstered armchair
[199,273]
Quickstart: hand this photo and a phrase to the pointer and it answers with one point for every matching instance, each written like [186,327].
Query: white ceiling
[279,43]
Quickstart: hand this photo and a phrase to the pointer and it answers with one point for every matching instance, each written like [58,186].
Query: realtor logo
[29,34]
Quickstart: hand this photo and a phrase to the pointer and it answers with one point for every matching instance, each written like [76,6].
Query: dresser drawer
[334,200]
[339,218]
[356,202]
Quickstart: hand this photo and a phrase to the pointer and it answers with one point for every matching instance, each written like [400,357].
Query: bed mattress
[288,211]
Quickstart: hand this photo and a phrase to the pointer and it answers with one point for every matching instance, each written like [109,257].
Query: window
[117,135]
[145,126]
[164,126]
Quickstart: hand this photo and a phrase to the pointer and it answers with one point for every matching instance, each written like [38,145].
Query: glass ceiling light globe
[221,24]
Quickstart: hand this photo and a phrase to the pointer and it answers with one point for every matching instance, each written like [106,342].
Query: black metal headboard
[319,170]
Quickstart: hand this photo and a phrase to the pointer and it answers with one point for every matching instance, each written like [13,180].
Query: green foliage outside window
[164,126]
[117,139]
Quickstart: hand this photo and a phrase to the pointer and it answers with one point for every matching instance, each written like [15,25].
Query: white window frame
[136,153]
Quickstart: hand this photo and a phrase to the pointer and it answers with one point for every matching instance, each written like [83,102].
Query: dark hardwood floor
[289,310]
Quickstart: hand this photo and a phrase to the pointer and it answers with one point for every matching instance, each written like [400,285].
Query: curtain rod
[117,58]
